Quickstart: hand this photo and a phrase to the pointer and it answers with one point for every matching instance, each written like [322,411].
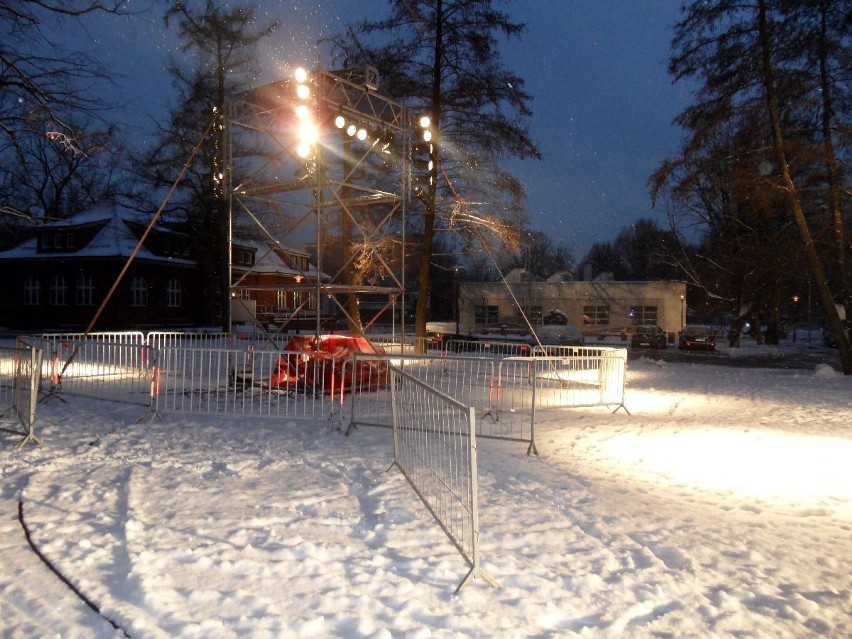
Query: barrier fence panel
[485,348]
[244,382]
[115,371]
[527,384]
[466,379]
[175,339]
[20,377]
[434,439]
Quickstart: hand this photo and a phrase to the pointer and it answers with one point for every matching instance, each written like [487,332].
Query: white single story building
[596,307]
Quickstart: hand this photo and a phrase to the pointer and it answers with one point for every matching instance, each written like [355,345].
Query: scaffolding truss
[346,199]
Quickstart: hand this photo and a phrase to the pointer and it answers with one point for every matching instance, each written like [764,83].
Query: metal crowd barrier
[115,371]
[20,377]
[434,444]
[241,382]
[466,379]
[506,391]
[486,348]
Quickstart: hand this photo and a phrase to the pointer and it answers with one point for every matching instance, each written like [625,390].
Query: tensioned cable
[461,201]
[138,246]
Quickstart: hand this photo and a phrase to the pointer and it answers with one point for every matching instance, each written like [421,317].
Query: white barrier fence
[241,382]
[507,392]
[434,442]
[20,377]
[193,373]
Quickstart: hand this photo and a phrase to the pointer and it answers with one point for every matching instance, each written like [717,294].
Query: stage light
[362,134]
[425,121]
[300,75]
[351,130]
[303,112]
[340,122]
[303,92]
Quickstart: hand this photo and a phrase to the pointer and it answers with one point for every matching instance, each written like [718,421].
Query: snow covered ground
[721,506]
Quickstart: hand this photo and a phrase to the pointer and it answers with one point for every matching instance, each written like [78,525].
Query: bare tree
[218,43]
[741,54]
[57,151]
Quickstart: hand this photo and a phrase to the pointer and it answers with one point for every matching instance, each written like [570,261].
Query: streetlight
[457,269]
[795,300]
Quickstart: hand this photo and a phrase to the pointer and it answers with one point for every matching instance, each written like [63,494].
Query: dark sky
[602,110]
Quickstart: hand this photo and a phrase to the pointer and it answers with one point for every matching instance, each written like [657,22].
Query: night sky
[603,103]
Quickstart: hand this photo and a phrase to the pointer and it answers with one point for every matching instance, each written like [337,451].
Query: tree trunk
[814,264]
[424,281]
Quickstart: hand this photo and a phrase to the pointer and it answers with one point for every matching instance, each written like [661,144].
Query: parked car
[694,337]
[648,337]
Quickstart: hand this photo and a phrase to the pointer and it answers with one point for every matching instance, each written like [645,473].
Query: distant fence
[20,376]
[434,444]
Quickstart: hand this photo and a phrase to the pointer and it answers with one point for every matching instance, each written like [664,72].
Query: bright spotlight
[362,134]
[427,135]
[425,121]
[300,75]
[303,91]
[303,112]
[308,132]
[340,122]
[303,149]
[351,130]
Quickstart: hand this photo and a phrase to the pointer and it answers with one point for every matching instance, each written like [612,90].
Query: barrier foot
[490,414]
[149,416]
[350,428]
[472,574]
[532,449]
[29,438]
[620,406]
[53,393]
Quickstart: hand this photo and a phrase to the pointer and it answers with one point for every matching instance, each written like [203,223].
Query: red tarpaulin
[327,363]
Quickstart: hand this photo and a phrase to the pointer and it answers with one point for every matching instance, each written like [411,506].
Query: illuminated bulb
[303,91]
[425,121]
[340,122]
[300,75]
[350,130]
[427,135]
[308,132]
[362,134]
[303,112]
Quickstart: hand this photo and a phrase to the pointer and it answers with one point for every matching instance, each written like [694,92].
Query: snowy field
[721,506]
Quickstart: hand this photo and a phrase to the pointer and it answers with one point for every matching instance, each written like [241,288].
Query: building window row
[643,315]
[84,289]
[596,315]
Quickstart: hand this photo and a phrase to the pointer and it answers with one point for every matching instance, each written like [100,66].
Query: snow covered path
[720,507]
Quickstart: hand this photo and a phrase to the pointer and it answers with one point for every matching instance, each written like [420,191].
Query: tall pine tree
[441,58]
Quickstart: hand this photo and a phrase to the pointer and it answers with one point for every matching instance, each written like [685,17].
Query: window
[485,314]
[58,291]
[281,298]
[32,291]
[85,290]
[642,315]
[596,315]
[533,314]
[138,291]
[173,293]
